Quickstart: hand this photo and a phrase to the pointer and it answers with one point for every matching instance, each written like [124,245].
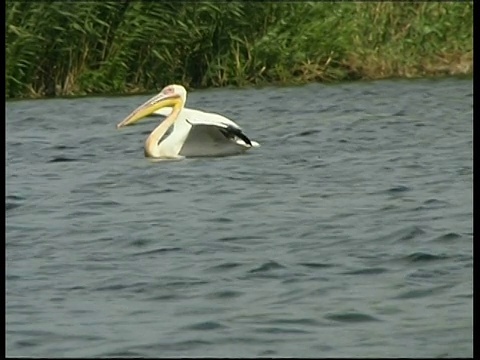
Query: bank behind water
[73,48]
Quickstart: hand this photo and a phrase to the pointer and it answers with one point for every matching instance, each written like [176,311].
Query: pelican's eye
[168,90]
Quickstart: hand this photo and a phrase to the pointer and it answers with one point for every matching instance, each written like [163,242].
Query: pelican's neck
[151,144]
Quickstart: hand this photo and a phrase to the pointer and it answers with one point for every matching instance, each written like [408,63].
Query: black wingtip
[239,134]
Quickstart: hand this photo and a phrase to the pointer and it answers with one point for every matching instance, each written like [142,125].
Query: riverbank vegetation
[121,47]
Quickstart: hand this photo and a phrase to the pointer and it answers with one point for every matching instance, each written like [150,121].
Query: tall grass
[67,48]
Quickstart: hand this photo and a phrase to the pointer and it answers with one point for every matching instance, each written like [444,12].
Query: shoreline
[458,75]
[125,48]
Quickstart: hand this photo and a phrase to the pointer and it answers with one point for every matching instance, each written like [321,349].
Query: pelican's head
[171,96]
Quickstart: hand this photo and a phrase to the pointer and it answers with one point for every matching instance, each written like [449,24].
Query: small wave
[269,265]
[400,113]
[28,119]
[318,164]
[11,205]
[75,287]
[27,343]
[267,352]
[165,297]
[398,189]
[157,251]
[137,287]
[107,203]
[168,190]
[405,234]
[300,321]
[242,204]
[464,296]
[411,233]
[236,237]
[220,220]
[81,213]
[205,325]
[10,277]
[423,257]
[418,293]
[308,132]
[140,243]
[249,340]
[316,265]
[278,330]
[15,197]
[33,332]
[224,266]
[389,207]
[366,271]
[13,202]
[428,277]
[62,147]
[61,159]
[465,171]
[88,141]
[448,237]
[432,204]
[123,353]
[180,284]
[225,294]
[185,345]
[351,317]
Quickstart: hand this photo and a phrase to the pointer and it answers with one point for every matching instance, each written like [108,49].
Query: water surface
[347,234]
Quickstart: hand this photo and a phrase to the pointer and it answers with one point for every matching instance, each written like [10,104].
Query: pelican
[194,133]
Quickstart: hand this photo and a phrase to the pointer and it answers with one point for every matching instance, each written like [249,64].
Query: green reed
[78,48]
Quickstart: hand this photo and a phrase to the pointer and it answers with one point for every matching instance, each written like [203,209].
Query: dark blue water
[347,234]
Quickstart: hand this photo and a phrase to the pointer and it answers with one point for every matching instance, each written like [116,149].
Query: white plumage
[188,132]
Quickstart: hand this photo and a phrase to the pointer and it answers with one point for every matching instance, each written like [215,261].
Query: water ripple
[62,159]
[351,317]
[448,237]
[356,213]
[266,267]
[423,257]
